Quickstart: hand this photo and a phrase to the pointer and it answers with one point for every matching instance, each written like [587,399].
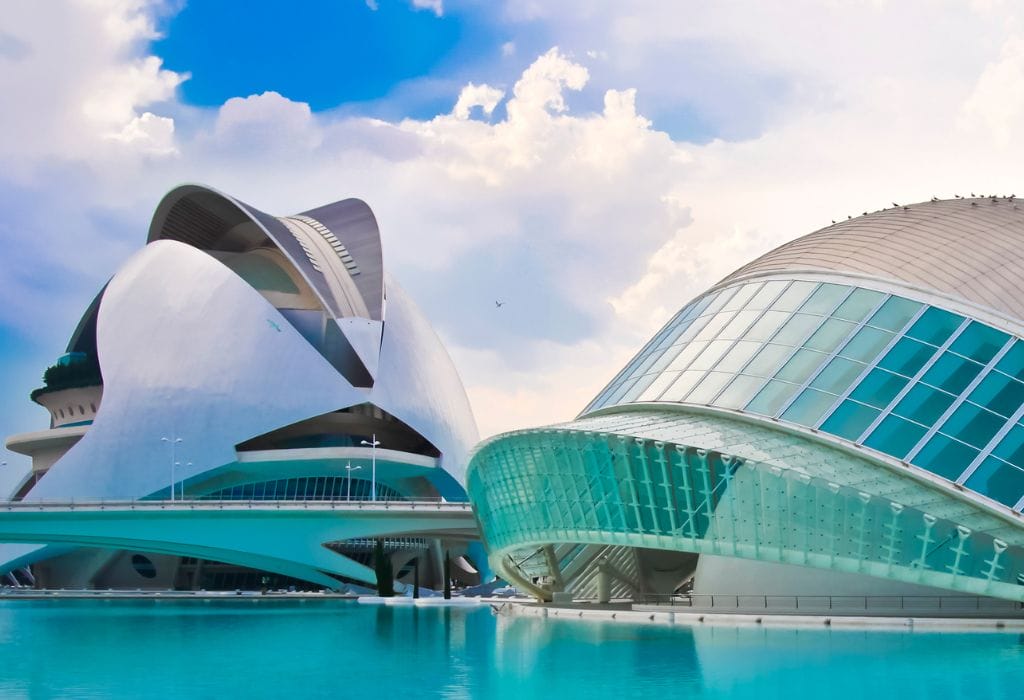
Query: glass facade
[918,383]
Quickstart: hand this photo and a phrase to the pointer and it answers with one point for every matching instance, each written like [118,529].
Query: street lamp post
[348,488]
[373,461]
[174,444]
[188,470]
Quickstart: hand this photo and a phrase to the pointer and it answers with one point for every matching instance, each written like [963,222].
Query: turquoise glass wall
[915,382]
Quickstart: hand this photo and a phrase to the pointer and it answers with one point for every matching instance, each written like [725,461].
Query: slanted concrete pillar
[604,581]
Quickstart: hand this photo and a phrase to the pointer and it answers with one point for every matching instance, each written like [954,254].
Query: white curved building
[240,355]
[843,415]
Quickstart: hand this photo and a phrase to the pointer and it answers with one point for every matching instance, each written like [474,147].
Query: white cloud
[483,96]
[594,225]
[435,6]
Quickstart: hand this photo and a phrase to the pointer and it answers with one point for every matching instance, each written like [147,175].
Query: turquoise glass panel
[973,425]
[849,420]
[859,304]
[895,436]
[838,375]
[979,342]
[998,480]
[894,314]
[878,388]
[738,355]
[742,296]
[768,360]
[945,457]
[796,329]
[771,398]
[825,298]
[999,393]
[766,294]
[924,404]
[794,296]
[739,392]
[830,335]
[709,387]
[809,407]
[1013,361]
[801,366]
[765,327]
[739,323]
[866,344]
[935,326]
[906,357]
[1011,447]
[951,373]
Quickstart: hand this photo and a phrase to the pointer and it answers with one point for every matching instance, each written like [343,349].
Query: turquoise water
[263,649]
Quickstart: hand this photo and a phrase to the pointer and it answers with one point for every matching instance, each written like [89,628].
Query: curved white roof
[972,249]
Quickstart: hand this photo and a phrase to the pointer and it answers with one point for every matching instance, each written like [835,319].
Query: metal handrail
[732,601]
[234,504]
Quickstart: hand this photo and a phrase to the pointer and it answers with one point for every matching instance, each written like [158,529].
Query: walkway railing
[852,604]
[254,504]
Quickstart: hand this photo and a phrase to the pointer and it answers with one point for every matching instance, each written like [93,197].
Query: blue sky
[593,163]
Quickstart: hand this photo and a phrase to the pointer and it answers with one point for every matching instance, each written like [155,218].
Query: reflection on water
[342,649]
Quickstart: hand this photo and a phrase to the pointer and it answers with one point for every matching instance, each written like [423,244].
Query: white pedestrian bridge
[287,537]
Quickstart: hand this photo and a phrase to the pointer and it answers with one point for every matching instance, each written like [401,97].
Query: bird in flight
[499,304]
[274,325]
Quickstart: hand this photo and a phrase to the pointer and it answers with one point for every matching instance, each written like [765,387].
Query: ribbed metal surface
[967,248]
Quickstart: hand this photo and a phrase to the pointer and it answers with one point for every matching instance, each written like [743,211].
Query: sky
[594,164]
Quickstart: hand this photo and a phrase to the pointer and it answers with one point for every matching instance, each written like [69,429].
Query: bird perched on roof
[895,204]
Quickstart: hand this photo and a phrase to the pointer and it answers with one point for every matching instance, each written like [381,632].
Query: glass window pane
[894,313]
[825,298]
[859,304]
[739,323]
[771,398]
[766,294]
[895,436]
[838,375]
[686,355]
[878,388]
[935,326]
[654,390]
[794,296]
[796,329]
[766,325]
[1013,361]
[924,404]
[734,360]
[906,357]
[801,366]
[739,392]
[709,387]
[809,407]
[866,345]
[693,329]
[718,301]
[999,481]
[979,342]
[622,389]
[708,358]
[849,420]
[831,333]
[1011,447]
[945,457]
[638,386]
[952,373]
[742,296]
[768,360]
[714,325]
[999,394]
[681,387]
[972,425]
[664,357]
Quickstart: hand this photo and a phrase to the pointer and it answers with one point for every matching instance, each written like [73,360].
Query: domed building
[245,357]
[843,416]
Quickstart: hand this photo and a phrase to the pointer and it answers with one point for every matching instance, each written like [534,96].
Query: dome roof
[972,249]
